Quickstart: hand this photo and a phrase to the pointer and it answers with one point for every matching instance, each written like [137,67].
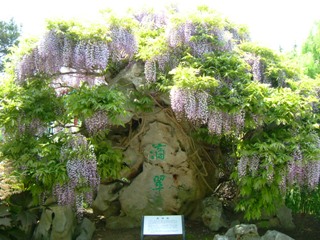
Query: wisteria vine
[152,20]
[82,172]
[220,122]
[123,45]
[297,172]
[190,103]
[56,50]
[97,122]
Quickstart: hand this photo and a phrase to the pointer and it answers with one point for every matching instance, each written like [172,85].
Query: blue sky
[273,23]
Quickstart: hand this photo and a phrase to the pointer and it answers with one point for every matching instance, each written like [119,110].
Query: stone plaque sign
[162,225]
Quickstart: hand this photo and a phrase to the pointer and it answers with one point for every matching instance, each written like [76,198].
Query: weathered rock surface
[106,202]
[281,219]
[56,222]
[167,171]
[86,230]
[243,231]
[284,214]
[212,215]
[275,235]
[167,181]
[250,232]
[220,237]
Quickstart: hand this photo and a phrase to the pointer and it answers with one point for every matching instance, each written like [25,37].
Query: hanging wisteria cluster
[190,103]
[193,105]
[250,164]
[89,56]
[220,122]
[166,60]
[303,173]
[186,35]
[150,71]
[56,50]
[152,20]
[82,173]
[97,122]
[257,67]
[297,172]
[162,63]
[181,34]
[123,45]
[35,127]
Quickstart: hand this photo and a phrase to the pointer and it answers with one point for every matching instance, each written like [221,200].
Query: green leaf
[26,218]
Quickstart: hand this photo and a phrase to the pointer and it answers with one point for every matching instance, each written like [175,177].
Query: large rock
[106,202]
[129,80]
[131,77]
[250,232]
[86,230]
[56,222]
[275,235]
[212,215]
[282,219]
[166,171]
[284,215]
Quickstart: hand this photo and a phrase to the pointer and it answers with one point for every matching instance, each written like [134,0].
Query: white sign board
[163,225]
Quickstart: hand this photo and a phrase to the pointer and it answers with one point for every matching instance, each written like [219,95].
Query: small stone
[220,237]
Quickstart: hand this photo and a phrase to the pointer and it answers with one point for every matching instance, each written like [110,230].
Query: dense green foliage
[239,96]
[311,52]
[17,217]
[9,34]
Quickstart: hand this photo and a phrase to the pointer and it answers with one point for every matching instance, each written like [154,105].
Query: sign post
[162,226]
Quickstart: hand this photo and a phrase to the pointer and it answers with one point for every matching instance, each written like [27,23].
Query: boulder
[56,222]
[250,232]
[275,235]
[86,230]
[106,202]
[281,219]
[128,80]
[168,172]
[212,215]
[130,77]
[243,232]
[169,183]
[43,229]
[220,237]
[284,214]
